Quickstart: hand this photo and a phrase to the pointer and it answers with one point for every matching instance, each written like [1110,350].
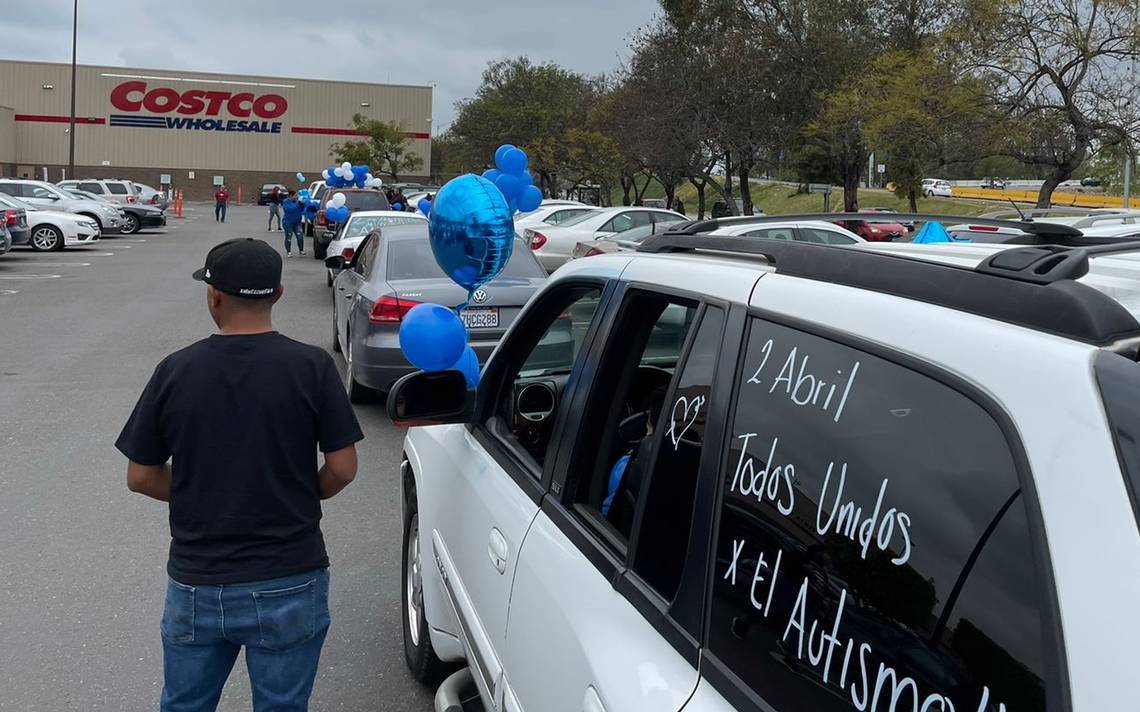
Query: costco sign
[255,113]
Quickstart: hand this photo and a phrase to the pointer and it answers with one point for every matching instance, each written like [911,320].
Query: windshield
[364,224]
[413,259]
[579,218]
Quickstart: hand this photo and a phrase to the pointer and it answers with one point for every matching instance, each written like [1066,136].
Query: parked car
[350,234]
[844,442]
[554,244]
[356,199]
[151,196]
[5,239]
[42,194]
[267,191]
[1010,225]
[908,224]
[393,270]
[1090,182]
[874,229]
[936,188]
[122,192]
[993,183]
[135,216]
[53,229]
[15,220]
[550,214]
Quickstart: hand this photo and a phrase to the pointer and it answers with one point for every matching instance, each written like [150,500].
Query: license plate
[480,317]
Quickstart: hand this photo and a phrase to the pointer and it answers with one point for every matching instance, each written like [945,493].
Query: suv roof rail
[1124,218]
[1031,286]
[695,227]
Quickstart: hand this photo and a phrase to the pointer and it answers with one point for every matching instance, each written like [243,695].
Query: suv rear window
[117,188]
[366,200]
[413,259]
[1119,381]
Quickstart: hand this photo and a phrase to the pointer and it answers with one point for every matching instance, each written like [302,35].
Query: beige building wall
[7,135]
[318,114]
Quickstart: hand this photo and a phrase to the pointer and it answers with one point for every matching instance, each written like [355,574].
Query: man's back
[242,417]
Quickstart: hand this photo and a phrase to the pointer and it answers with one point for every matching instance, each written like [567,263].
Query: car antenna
[1019,213]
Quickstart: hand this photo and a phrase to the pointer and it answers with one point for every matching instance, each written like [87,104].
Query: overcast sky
[446,42]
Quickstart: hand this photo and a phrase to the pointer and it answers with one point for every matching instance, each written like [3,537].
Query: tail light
[132,199]
[982,228]
[347,254]
[593,251]
[390,310]
[10,217]
[537,239]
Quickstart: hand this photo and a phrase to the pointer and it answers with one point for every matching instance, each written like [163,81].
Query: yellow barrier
[1062,200]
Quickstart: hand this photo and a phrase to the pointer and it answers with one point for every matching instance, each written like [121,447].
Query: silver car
[394,270]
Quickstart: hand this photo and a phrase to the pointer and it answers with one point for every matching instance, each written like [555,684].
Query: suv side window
[117,188]
[874,549]
[827,237]
[92,187]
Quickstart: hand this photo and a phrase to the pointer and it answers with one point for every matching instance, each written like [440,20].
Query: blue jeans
[273,214]
[219,211]
[282,624]
[294,229]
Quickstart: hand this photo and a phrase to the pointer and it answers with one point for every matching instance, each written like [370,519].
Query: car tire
[930,193]
[46,238]
[328,278]
[131,224]
[356,392]
[319,250]
[423,663]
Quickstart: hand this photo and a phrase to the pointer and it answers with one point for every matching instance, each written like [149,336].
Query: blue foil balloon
[432,337]
[471,230]
[300,177]
[468,365]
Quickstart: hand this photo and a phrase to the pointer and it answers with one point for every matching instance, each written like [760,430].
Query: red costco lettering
[134,96]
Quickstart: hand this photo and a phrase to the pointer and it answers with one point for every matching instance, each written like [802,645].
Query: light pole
[71,120]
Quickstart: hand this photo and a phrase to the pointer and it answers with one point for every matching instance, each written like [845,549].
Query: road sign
[164,179]
[824,188]
[881,168]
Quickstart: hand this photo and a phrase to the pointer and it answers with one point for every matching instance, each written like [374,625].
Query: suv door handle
[591,702]
[497,550]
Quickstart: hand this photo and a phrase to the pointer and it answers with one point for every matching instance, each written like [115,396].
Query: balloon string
[466,302]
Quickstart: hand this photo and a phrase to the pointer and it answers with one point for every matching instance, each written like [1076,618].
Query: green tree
[384,148]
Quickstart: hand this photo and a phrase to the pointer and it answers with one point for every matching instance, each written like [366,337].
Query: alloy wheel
[413,587]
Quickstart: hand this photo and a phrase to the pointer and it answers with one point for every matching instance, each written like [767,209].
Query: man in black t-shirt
[227,431]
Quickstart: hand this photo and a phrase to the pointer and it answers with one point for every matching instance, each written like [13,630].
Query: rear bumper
[21,235]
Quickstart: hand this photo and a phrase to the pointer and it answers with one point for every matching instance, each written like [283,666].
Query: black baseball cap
[243,267]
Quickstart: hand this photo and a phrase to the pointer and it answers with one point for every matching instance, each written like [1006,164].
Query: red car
[874,229]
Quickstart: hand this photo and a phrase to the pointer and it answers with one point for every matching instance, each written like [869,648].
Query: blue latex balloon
[502,151]
[425,206]
[472,233]
[509,185]
[514,161]
[432,337]
[468,365]
[397,206]
[331,181]
[300,177]
[526,178]
[492,174]
[529,199]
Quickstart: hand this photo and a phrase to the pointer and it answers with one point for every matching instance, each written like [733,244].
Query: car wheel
[46,237]
[328,278]
[930,193]
[319,251]
[424,664]
[131,224]
[356,392]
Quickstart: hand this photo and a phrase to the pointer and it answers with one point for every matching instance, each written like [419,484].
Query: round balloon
[529,199]
[492,174]
[514,161]
[425,206]
[397,206]
[509,185]
[300,177]
[337,200]
[471,231]
[346,167]
[501,151]
[432,337]
[468,365]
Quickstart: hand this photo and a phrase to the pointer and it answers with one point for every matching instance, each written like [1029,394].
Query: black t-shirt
[242,418]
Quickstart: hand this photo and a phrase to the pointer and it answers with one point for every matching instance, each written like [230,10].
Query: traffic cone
[239,195]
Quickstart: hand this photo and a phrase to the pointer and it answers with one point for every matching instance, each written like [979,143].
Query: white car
[550,213]
[52,229]
[1080,218]
[554,245]
[936,187]
[42,194]
[123,192]
[816,231]
[349,235]
[784,476]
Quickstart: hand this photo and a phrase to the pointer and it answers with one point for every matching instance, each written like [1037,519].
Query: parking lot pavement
[82,559]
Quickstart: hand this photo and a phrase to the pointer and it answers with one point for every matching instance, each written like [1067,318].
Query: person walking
[221,199]
[274,208]
[227,432]
[293,209]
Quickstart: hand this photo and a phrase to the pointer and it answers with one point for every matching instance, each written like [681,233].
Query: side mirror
[53,196]
[334,262]
[434,398]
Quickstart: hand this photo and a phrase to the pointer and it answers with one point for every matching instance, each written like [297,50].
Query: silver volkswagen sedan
[392,271]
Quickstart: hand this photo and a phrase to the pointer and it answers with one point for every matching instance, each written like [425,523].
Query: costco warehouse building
[191,127]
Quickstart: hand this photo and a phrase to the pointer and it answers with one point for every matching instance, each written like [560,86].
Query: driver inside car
[650,412]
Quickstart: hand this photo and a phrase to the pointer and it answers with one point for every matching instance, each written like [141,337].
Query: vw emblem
[479,296]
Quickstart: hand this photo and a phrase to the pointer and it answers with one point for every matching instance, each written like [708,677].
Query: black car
[1090,182]
[267,190]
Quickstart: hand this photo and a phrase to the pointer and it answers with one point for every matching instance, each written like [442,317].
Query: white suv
[936,188]
[42,194]
[730,474]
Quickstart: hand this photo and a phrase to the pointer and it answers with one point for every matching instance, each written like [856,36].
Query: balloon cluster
[472,234]
[336,211]
[300,177]
[513,180]
[347,175]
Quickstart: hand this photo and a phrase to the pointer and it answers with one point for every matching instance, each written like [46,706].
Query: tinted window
[663,537]
[1119,380]
[368,254]
[826,237]
[874,550]
[413,259]
[579,218]
[117,188]
[773,233]
[91,187]
[366,200]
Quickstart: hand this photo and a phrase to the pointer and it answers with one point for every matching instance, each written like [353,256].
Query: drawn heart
[690,409]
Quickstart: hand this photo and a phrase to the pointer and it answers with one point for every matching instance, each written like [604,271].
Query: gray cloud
[447,42]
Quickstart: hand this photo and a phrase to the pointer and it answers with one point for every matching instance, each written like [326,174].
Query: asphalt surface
[82,559]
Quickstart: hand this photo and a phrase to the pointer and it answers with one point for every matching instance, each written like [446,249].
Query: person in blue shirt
[653,405]
[292,209]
